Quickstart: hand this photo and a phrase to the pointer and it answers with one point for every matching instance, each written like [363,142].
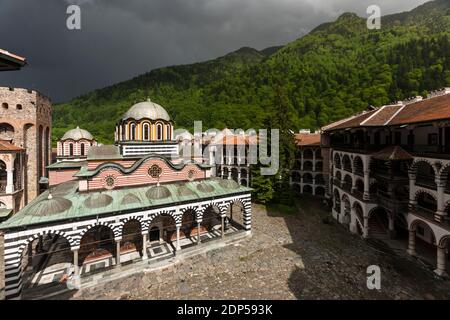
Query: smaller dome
[185,191]
[158,192]
[64,188]
[96,201]
[77,134]
[50,206]
[205,187]
[130,199]
[184,135]
[228,184]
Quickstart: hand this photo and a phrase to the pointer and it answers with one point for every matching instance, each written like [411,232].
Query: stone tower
[26,119]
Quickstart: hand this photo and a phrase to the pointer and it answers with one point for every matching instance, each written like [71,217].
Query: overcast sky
[120,39]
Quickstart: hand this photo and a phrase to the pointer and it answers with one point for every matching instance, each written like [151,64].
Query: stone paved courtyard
[288,257]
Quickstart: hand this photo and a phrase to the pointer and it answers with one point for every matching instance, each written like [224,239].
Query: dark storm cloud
[123,38]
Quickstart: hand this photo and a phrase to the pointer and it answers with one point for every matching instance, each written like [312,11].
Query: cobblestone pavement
[288,257]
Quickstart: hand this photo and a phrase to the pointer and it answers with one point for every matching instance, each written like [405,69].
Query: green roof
[67,164]
[79,208]
[4,213]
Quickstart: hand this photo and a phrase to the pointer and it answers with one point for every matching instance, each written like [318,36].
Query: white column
[144,246]
[314,161]
[199,224]
[223,228]
[440,213]
[412,184]
[301,160]
[412,243]
[441,269]
[76,283]
[239,176]
[366,185]
[117,253]
[229,174]
[366,227]
[178,238]
[353,227]
[76,268]
[10,180]
[391,226]
[353,182]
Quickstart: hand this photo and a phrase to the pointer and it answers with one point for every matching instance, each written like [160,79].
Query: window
[168,133]
[82,149]
[433,139]
[71,149]
[5,105]
[19,107]
[110,181]
[132,131]
[159,132]
[146,131]
[155,171]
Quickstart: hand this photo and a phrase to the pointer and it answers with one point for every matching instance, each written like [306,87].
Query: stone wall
[30,114]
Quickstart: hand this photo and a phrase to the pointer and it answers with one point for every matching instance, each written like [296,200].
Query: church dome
[77,134]
[146,110]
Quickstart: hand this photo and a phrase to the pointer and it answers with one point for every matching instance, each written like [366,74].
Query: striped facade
[16,241]
[140,176]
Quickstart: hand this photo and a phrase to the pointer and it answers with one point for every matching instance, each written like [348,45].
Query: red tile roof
[437,108]
[238,140]
[307,139]
[6,145]
[9,61]
[432,109]
[392,153]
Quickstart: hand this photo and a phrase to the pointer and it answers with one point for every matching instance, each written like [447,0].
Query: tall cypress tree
[283,119]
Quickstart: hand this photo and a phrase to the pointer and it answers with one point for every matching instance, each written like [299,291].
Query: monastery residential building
[106,205]
[308,175]
[389,174]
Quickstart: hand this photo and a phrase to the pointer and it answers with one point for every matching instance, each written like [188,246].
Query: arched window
[82,149]
[146,133]
[168,133]
[19,107]
[71,149]
[159,132]
[132,135]
[5,105]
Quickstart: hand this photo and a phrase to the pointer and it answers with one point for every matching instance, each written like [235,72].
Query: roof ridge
[336,123]
[372,115]
[395,114]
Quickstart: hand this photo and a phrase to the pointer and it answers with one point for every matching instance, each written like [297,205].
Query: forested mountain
[337,69]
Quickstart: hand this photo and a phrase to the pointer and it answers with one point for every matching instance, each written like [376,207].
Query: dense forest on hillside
[337,69]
